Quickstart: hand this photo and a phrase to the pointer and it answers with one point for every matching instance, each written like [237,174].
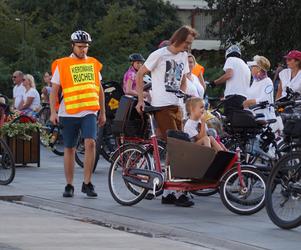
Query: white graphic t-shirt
[167,70]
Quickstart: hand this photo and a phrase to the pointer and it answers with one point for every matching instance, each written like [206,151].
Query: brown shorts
[169,118]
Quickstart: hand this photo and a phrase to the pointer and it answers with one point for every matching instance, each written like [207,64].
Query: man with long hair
[168,67]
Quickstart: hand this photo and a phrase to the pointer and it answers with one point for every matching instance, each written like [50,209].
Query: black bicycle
[51,135]
[283,193]
[7,164]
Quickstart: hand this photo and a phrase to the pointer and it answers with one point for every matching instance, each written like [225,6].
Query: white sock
[167,192]
[179,193]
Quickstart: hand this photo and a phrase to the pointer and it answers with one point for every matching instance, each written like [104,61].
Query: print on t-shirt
[173,74]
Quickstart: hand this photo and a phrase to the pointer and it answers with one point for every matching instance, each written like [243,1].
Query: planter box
[23,151]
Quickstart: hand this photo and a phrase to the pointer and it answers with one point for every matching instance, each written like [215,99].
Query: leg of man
[88,129]
[89,159]
[69,157]
[171,118]
[167,118]
[70,131]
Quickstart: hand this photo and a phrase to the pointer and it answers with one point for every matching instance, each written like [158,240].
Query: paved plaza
[40,218]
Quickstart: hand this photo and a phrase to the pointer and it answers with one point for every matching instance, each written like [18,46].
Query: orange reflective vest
[57,101]
[80,83]
[198,69]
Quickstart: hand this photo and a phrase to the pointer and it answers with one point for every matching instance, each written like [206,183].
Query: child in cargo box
[196,127]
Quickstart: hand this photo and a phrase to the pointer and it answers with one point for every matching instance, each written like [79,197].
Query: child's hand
[203,118]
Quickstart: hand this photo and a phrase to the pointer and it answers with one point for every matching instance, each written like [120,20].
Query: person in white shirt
[262,88]
[168,67]
[18,89]
[194,86]
[290,77]
[31,102]
[237,77]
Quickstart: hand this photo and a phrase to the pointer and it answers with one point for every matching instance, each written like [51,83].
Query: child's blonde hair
[191,103]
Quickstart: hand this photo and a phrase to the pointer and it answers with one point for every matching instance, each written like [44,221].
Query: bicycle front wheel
[128,156]
[244,199]
[283,194]
[7,164]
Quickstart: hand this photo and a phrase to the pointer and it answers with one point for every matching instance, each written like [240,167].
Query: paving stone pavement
[207,224]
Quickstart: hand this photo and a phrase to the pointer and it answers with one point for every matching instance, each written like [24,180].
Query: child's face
[198,110]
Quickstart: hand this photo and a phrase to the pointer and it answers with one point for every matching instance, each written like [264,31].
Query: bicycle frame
[183,185]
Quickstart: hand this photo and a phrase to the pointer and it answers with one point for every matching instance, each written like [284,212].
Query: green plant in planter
[20,130]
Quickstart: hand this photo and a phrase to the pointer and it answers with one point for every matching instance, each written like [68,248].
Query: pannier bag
[113,93]
[292,128]
[127,121]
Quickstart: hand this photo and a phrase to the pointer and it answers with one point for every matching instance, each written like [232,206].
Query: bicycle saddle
[266,122]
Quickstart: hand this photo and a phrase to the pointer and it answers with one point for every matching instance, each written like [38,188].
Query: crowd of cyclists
[171,67]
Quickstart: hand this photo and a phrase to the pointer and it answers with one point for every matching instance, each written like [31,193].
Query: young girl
[196,127]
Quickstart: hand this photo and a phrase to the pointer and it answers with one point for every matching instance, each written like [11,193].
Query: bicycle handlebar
[260,105]
[179,93]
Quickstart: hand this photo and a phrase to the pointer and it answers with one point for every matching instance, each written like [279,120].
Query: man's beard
[79,56]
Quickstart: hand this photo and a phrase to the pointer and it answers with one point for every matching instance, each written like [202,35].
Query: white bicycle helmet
[81,36]
[232,49]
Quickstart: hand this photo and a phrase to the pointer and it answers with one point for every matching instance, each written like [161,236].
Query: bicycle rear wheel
[57,143]
[127,157]
[283,194]
[44,115]
[7,164]
[106,141]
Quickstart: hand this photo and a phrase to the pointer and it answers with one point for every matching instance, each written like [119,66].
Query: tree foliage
[267,27]
[36,32]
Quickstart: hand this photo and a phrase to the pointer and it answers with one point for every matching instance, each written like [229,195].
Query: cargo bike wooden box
[136,169]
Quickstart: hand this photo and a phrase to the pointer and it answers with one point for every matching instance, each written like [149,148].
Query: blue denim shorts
[72,126]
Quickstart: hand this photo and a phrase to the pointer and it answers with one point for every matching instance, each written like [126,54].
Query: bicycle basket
[127,121]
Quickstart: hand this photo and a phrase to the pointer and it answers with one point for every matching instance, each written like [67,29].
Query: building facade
[197,14]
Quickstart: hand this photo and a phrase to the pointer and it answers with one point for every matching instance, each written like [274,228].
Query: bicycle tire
[271,187]
[137,196]
[106,142]
[54,148]
[7,163]
[43,115]
[248,207]
[205,192]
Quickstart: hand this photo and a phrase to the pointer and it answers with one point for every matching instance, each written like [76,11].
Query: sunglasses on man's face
[14,77]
